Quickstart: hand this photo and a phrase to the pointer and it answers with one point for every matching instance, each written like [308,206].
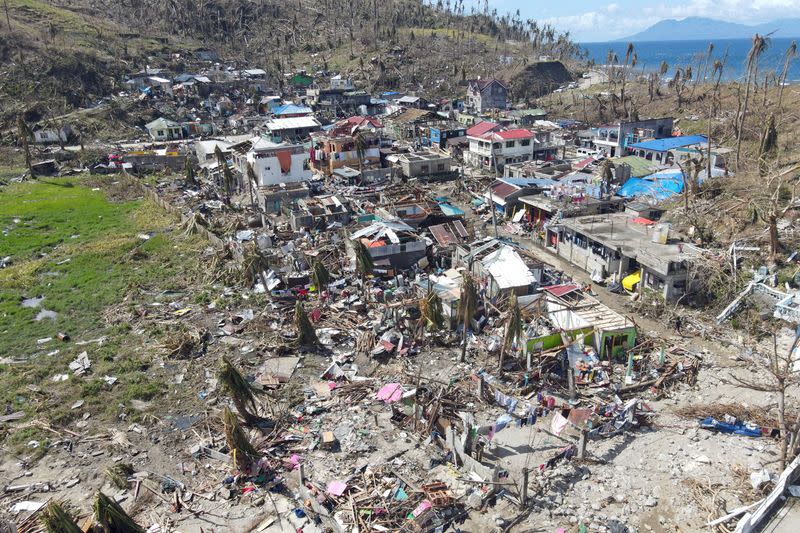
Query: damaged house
[499,267]
[392,244]
[319,212]
[273,163]
[353,142]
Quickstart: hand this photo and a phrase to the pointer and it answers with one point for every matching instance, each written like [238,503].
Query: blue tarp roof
[291,109]
[451,210]
[656,186]
[668,143]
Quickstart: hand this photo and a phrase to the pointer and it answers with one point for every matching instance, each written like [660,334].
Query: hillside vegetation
[63,55]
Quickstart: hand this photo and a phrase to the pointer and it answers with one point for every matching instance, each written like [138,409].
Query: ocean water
[682,53]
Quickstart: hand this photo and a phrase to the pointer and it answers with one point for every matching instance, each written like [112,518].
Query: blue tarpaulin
[656,186]
[738,428]
[451,210]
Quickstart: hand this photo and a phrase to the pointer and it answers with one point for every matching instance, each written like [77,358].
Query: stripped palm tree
[321,276]
[243,454]
[253,265]
[768,145]
[239,389]
[788,56]
[630,55]
[758,47]
[430,308]
[607,174]
[364,264]
[56,519]
[189,172]
[306,336]
[251,180]
[361,150]
[111,517]
[514,328]
[467,305]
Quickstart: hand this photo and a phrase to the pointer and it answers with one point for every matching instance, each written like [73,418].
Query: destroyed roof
[507,268]
[449,233]
[408,116]
[383,228]
[481,84]
[669,143]
[578,310]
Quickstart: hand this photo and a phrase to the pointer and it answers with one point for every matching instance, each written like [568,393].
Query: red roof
[501,189]
[364,121]
[514,134]
[642,220]
[561,290]
[481,128]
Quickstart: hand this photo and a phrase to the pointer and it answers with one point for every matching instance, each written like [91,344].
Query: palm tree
[468,304]
[630,58]
[430,307]
[790,54]
[361,150]
[514,329]
[251,179]
[227,176]
[239,389]
[242,452]
[758,47]
[110,516]
[321,276]
[607,175]
[189,172]
[769,143]
[306,336]
[364,264]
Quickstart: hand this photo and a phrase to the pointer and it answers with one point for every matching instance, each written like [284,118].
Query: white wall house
[274,163]
[162,129]
[509,146]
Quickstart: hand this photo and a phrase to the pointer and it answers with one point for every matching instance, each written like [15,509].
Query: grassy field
[82,252]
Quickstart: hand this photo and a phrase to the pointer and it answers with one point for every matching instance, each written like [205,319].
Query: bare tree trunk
[774,243]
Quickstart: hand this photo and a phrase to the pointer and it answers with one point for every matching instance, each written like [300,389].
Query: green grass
[83,253]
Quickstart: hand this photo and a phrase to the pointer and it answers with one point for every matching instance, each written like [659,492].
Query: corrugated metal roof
[502,190]
[481,128]
[507,268]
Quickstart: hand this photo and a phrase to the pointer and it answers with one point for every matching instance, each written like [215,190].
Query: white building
[343,84]
[273,163]
[294,128]
[162,129]
[499,148]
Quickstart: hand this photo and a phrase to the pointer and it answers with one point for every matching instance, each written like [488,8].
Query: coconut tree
[607,175]
[514,328]
[251,179]
[253,265]
[768,145]
[361,150]
[239,389]
[189,172]
[788,56]
[227,175]
[467,305]
[630,59]
[111,517]
[306,336]
[758,47]
[242,452]
[321,276]
[430,308]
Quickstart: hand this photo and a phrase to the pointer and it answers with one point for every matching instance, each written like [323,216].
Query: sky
[604,20]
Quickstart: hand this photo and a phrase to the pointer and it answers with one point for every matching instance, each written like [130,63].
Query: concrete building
[429,165]
[613,140]
[292,129]
[339,146]
[495,149]
[392,243]
[319,212]
[273,163]
[483,95]
[617,244]
[664,151]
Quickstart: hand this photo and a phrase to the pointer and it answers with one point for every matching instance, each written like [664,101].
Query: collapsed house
[391,244]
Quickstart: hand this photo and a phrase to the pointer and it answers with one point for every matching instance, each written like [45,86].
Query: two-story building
[483,95]
[339,146]
[273,163]
[495,149]
[613,140]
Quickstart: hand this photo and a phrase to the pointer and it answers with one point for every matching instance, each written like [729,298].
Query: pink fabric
[391,392]
[421,508]
[337,488]
[558,424]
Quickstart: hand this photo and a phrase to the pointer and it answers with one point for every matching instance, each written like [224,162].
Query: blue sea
[682,53]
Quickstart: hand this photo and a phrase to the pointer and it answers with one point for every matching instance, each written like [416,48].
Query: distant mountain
[699,28]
